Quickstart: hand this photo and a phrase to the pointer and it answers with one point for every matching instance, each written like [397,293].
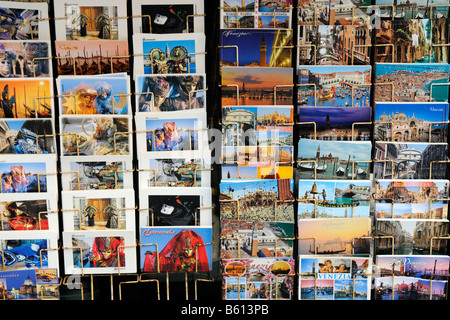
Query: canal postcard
[411,190]
[409,288]
[432,210]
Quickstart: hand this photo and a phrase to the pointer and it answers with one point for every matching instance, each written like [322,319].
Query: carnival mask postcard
[409,288]
[412,122]
[84,20]
[411,82]
[321,159]
[410,160]
[26,98]
[157,16]
[176,249]
[414,9]
[27,137]
[411,236]
[334,278]
[37,284]
[21,212]
[432,210]
[95,135]
[169,53]
[25,59]
[333,199]
[158,93]
[411,190]
[335,123]
[175,207]
[92,57]
[24,21]
[256,86]
[94,95]
[334,45]
[257,200]
[189,169]
[334,236]
[99,252]
[256,48]
[258,279]
[25,250]
[334,86]
[29,174]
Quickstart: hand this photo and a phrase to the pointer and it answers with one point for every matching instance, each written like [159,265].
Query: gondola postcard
[334,86]
[334,236]
[26,59]
[333,199]
[24,21]
[176,249]
[20,212]
[411,236]
[168,207]
[188,169]
[410,288]
[410,190]
[334,278]
[85,20]
[334,159]
[26,98]
[37,284]
[157,16]
[92,57]
[258,279]
[432,210]
[410,160]
[94,95]
[172,92]
[257,200]
[256,239]
[26,250]
[98,210]
[169,53]
[95,135]
[411,122]
[414,9]
[99,252]
[96,172]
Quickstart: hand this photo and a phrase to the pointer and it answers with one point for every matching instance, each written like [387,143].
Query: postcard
[173,92]
[257,200]
[24,21]
[333,12]
[335,123]
[334,278]
[26,59]
[157,16]
[176,249]
[432,210]
[334,236]
[256,47]
[178,131]
[410,160]
[411,122]
[408,288]
[169,53]
[102,20]
[262,239]
[410,82]
[29,174]
[258,279]
[34,284]
[188,169]
[98,210]
[99,252]
[175,207]
[410,190]
[20,212]
[414,9]
[92,57]
[94,95]
[411,236]
[97,172]
[255,171]
[95,135]
[26,98]
[334,45]
[333,199]
[25,250]
[321,159]
[334,86]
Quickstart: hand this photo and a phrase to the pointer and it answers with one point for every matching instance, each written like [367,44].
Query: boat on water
[361,172]
[321,168]
[340,171]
